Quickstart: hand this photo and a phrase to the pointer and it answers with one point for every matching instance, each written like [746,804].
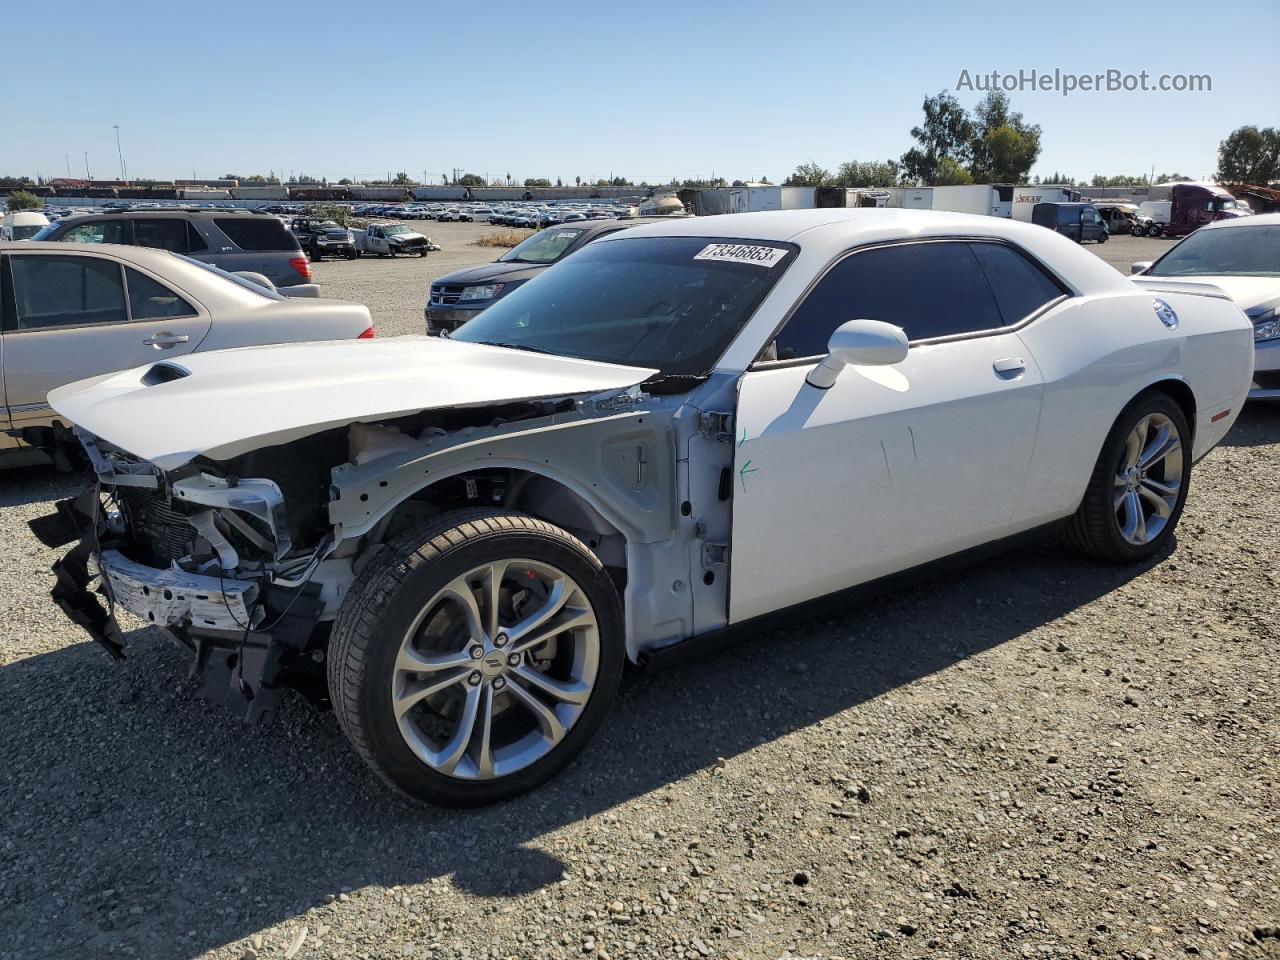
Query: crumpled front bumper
[164,597]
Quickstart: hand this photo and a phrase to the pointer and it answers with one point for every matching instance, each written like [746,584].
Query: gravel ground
[395,290]
[1036,756]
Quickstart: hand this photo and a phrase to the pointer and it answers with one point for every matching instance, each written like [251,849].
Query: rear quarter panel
[288,322]
[1098,353]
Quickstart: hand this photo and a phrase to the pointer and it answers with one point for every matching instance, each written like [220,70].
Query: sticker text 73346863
[741,253]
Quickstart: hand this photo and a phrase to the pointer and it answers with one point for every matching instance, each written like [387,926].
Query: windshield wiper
[519,346]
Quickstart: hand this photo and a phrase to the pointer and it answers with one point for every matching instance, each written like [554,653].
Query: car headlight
[486,292]
[1266,326]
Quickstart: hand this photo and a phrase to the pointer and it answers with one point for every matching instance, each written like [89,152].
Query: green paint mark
[742,474]
[744,437]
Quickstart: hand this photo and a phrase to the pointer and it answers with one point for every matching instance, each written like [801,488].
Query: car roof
[1257,220]
[826,233]
[150,214]
[148,256]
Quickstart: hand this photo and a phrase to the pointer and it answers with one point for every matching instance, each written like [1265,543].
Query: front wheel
[1139,484]
[1102,237]
[474,658]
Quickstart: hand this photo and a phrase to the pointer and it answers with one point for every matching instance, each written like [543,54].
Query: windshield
[237,280]
[28,231]
[673,303]
[392,231]
[1224,251]
[545,247]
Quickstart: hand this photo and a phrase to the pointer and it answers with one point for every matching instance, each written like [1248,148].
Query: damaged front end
[207,557]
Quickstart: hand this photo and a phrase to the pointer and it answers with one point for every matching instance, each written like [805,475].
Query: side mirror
[1140,266]
[860,343]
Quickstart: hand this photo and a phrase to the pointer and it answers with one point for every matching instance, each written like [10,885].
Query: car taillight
[368,334]
[302,266]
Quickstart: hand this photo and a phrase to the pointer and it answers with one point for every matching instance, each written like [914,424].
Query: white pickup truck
[388,239]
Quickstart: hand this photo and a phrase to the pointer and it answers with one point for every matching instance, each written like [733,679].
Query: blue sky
[651,91]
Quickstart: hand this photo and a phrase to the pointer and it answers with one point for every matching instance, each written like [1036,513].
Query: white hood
[227,402]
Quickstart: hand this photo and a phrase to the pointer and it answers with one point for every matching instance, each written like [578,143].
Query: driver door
[892,466]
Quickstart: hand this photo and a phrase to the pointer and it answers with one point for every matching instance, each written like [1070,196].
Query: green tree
[25,200]
[471,180]
[949,172]
[872,173]
[1119,180]
[808,175]
[947,133]
[344,182]
[1250,155]
[1004,146]
[402,179]
[537,182]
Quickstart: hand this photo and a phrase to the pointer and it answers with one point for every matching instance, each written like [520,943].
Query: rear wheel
[1139,484]
[474,658]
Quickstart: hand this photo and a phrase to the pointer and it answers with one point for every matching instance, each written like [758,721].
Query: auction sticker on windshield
[741,253]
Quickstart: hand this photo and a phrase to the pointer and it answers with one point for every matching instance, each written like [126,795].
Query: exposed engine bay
[245,561]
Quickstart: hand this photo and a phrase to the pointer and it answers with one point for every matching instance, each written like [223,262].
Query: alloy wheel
[495,669]
[1148,481]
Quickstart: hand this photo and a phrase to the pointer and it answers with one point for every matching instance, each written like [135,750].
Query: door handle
[1010,368]
[162,340]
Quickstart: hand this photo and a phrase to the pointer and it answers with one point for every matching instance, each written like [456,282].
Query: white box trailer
[798,198]
[917,198]
[1026,198]
[984,199]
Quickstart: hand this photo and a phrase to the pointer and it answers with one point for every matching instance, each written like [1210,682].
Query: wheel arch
[1181,393]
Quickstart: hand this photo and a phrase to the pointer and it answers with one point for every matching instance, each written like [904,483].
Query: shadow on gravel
[1257,426]
[139,817]
[22,485]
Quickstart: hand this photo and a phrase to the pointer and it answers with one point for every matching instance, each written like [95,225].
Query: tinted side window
[257,233]
[161,234]
[1020,287]
[149,300]
[97,231]
[928,289]
[66,291]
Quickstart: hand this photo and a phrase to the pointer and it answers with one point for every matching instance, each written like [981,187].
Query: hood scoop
[166,371]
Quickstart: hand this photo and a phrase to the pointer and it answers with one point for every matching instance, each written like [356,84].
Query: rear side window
[151,300]
[66,291]
[1020,287]
[928,289]
[97,231]
[168,234]
[257,233]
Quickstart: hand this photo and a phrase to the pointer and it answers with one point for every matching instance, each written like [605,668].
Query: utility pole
[67,157]
[87,174]
[124,174]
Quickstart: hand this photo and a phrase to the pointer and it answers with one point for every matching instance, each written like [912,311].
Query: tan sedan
[72,311]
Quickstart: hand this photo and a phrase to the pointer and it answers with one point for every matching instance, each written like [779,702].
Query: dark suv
[457,297]
[1079,221]
[234,241]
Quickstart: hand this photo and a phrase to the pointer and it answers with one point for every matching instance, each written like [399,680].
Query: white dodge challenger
[458,543]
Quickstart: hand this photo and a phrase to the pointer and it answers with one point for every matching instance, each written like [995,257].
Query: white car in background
[1241,257]
[77,310]
[681,428]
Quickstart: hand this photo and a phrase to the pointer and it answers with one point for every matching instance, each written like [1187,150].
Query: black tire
[388,595]
[1094,529]
[422,252]
[1102,237]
